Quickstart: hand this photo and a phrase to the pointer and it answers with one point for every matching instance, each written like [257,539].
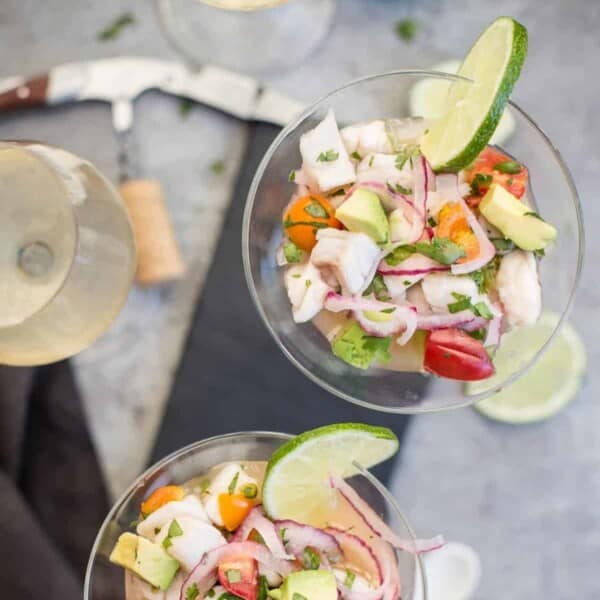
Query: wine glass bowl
[104,580]
[387,96]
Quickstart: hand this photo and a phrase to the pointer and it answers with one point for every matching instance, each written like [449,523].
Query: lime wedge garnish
[296,484]
[428,100]
[474,108]
[548,386]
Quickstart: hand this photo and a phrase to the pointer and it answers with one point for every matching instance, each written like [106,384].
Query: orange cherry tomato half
[234,508]
[239,576]
[453,354]
[160,497]
[488,164]
[305,216]
[453,224]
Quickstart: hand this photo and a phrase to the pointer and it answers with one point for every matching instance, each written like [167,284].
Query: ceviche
[215,536]
[409,252]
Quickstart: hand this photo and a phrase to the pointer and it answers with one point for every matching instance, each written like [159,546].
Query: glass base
[258,41]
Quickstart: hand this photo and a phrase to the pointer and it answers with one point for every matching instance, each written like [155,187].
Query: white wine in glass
[68,254]
[249,36]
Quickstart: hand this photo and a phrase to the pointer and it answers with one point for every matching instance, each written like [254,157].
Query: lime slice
[296,482]
[474,109]
[548,386]
[428,100]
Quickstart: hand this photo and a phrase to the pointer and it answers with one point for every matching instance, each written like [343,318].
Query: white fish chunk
[197,538]
[220,485]
[415,297]
[519,288]
[439,288]
[353,257]
[190,506]
[306,290]
[366,138]
[382,168]
[323,139]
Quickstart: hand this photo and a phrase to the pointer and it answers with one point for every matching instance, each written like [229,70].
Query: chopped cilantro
[378,287]
[478,334]
[311,559]
[406,29]
[292,175]
[114,29]
[297,596]
[233,483]
[174,529]
[210,592]
[481,309]
[315,209]
[292,253]
[502,245]
[371,160]
[532,214]
[442,250]
[185,105]
[308,283]
[340,192]
[462,303]
[263,588]
[217,167]
[191,592]
[349,580]
[401,253]
[356,156]
[328,156]
[407,152]
[250,490]
[316,224]
[512,167]
[486,276]
[539,253]
[480,181]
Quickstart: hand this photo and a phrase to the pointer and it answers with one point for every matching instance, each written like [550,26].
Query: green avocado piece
[363,213]
[146,559]
[309,585]
[515,219]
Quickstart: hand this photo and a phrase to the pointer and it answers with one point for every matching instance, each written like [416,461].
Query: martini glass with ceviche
[262,515]
[388,255]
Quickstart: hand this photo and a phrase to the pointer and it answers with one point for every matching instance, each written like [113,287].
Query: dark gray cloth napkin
[52,495]
[232,376]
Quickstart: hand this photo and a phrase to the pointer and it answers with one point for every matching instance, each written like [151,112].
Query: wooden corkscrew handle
[158,256]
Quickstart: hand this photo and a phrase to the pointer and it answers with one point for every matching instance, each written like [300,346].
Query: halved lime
[548,386]
[428,100]
[474,108]
[296,483]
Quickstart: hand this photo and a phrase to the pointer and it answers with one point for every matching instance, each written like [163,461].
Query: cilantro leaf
[442,250]
[114,29]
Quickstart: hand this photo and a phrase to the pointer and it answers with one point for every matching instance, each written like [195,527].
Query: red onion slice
[204,573]
[376,524]
[298,537]
[416,264]
[336,303]
[256,520]
[494,330]
[358,552]
[486,248]
[465,319]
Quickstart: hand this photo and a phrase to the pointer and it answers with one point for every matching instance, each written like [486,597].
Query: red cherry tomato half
[240,577]
[454,354]
[489,164]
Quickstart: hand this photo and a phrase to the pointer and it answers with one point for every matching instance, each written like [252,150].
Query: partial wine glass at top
[68,257]
[248,36]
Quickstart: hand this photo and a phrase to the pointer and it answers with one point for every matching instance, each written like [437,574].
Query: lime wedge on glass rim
[474,108]
[548,386]
[296,484]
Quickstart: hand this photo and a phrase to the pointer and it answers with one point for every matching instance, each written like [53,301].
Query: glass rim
[289,128]
[193,447]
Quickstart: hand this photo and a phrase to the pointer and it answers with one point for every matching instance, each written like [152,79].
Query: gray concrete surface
[525,497]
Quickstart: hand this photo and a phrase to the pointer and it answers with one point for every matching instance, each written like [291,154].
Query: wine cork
[158,256]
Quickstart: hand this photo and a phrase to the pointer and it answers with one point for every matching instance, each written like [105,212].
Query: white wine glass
[249,36]
[68,254]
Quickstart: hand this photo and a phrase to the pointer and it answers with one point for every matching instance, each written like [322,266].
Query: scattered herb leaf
[512,167]
[442,250]
[503,246]
[316,209]
[378,287]
[263,588]
[431,222]
[185,105]
[311,559]
[356,156]
[349,580]
[233,483]
[481,309]
[217,167]
[292,175]
[174,529]
[114,29]
[328,156]
[406,29]
[192,591]
[399,254]
[532,214]
[292,253]
[480,183]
